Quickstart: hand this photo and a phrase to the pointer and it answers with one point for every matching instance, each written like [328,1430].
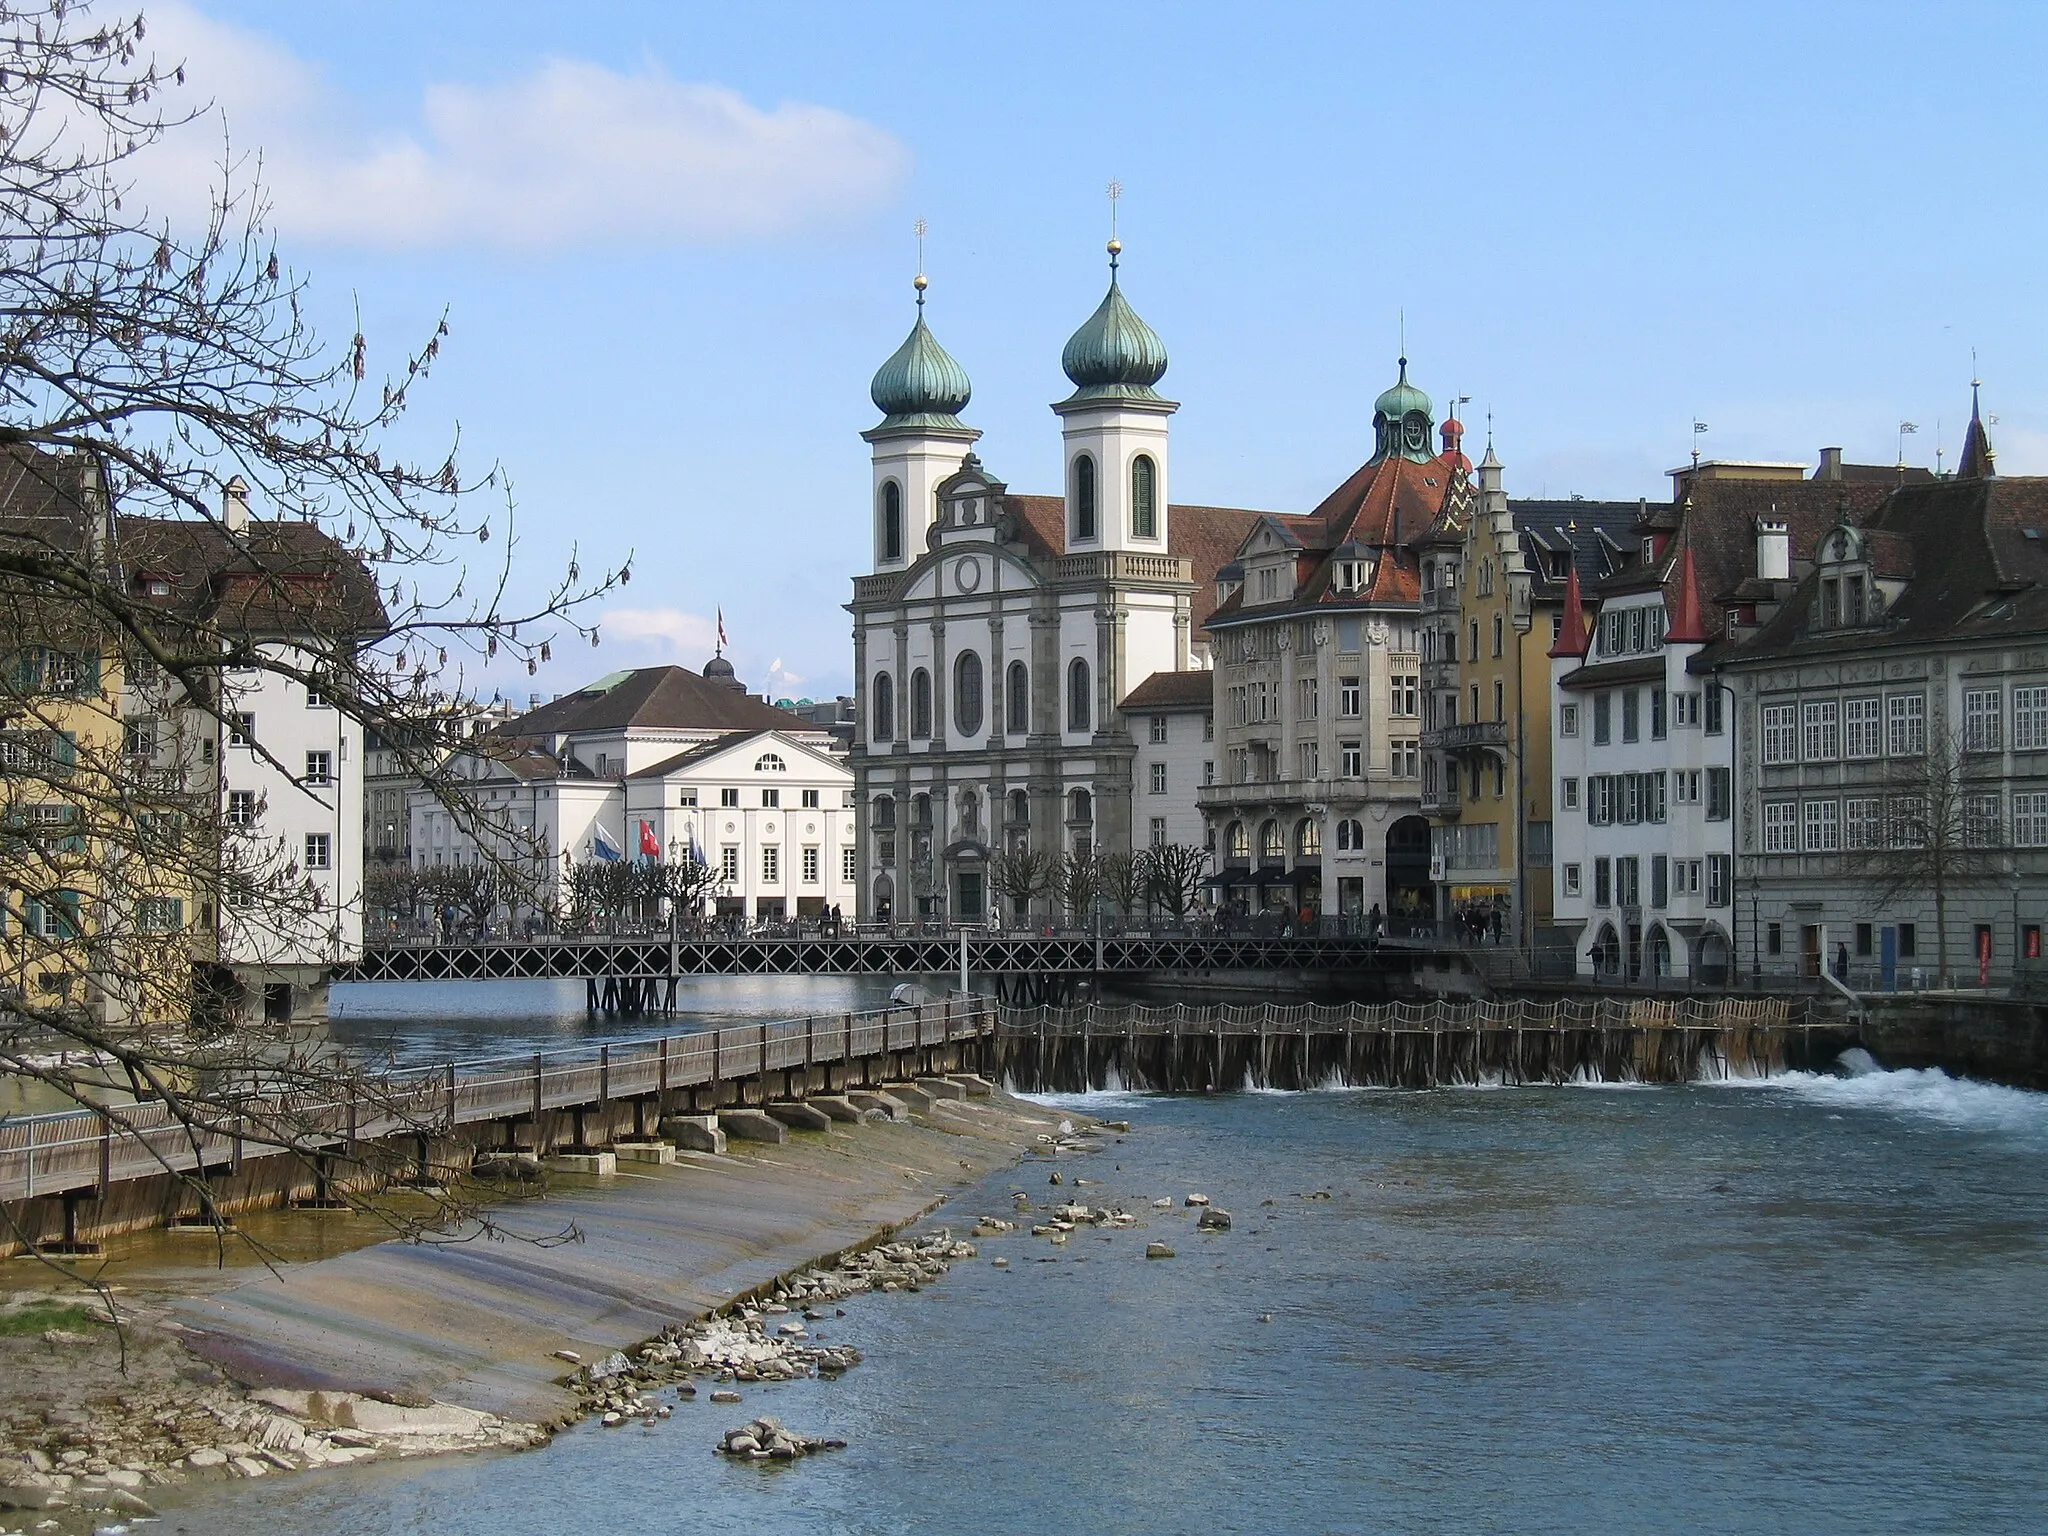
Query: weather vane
[918,282]
[1115,192]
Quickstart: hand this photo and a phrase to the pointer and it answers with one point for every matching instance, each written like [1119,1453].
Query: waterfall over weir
[1184,1049]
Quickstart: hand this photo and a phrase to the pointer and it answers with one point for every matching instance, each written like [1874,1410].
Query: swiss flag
[649,844]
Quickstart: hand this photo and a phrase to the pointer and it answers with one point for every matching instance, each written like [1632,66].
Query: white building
[659,762]
[286,763]
[1644,792]
[998,634]
[1170,718]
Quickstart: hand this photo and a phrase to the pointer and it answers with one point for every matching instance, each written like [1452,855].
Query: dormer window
[1846,594]
[1649,551]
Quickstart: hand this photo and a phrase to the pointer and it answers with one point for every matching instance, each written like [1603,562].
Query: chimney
[533,701]
[1773,548]
[234,505]
[1830,464]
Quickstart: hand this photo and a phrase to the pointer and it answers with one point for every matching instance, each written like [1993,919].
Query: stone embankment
[766,1339]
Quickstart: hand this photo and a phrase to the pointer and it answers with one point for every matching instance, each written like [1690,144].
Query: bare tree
[1173,877]
[1122,879]
[1077,883]
[160,389]
[1020,875]
[1942,834]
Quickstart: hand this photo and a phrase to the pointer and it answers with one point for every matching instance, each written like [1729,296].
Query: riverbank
[434,1347]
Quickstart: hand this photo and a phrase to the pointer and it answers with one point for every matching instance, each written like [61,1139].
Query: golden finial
[1116,246]
[918,281]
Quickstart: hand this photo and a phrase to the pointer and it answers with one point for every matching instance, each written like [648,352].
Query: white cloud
[667,633]
[571,154]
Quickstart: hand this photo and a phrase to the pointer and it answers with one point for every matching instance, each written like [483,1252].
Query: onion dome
[1453,434]
[1401,398]
[1114,355]
[920,385]
[718,671]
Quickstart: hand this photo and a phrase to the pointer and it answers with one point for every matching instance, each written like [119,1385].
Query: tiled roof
[271,578]
[1173,690]
[1976,574]
[1206,537]
[1556,525]
[655,698]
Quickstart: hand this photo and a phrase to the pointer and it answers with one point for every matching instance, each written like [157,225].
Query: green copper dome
[1114,355]
[1401,398]
[920,385]
[1401,420]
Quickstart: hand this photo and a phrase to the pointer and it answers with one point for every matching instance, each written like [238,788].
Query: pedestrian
[1841,962]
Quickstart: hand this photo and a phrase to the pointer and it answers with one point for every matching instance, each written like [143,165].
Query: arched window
[1019,700]
[1271,845]
[885,811]
[768,762]
[920,704]
[884,724]
[967,693]
[920,810]
[970,814]
[1239,841]
[892,520]
[1020,808]
[1350,836]
[1080,807]
[1079,707]
[1308,838]
[1084,497]
[1144,498]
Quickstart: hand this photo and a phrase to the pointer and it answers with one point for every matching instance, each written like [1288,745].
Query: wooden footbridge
[67,1179]
[639,975]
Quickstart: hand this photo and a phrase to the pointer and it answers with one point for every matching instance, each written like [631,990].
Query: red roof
[1574,639]
[1688,624]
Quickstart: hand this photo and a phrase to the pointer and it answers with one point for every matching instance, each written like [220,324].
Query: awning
[1479,892]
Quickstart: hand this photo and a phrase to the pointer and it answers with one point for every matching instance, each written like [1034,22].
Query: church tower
[921,440]
[1114,430]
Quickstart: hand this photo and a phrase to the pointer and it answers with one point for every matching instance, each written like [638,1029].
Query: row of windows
[1618,882]
[1629,798]
[967,700]
[1864,727]
[1241,647]
[1691,708]
[1144,498]
[1255,702]
[1630,631]
[1307,841]
[771,864]
[1259,763]
[1858,823]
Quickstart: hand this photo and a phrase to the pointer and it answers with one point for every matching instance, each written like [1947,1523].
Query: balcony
[1467,738]
[1441,804]
[875,589]
[1440,600]
[1118,565]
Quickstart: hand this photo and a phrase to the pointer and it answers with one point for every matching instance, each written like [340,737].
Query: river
[1813,1305]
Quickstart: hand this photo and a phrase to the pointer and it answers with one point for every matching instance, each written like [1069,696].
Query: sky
[674,241]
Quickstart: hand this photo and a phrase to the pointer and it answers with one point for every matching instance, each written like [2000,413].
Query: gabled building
[1316,803]
[1171,721]
[999,634]
[1893,708]
[657,762]
[1494,575]
[1645,757]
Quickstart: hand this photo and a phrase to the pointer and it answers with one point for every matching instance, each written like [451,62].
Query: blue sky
[674,241]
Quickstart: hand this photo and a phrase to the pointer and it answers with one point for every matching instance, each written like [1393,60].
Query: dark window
[1084,497]
[1080,709]
[1603,719]
[1020,699]
[967,693]
[920,704]
[1774,939]
[1907,948]
[885,707]
[1020,808]
[1863,938]
[1713,703]
[1144,498]
[885,811]
[892,521]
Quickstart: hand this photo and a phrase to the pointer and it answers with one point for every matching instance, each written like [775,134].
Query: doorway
[1809,950]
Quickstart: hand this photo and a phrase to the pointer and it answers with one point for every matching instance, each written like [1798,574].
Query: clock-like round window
[967,575]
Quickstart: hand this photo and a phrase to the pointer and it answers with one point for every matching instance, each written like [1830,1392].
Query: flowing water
[1810,1305]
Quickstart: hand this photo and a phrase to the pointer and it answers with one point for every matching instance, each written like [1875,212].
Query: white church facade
[998,635]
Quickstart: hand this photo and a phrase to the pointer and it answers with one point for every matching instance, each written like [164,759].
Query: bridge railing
[51,1154]
[1604,1013]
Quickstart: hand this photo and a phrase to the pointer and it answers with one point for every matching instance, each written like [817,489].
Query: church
[999,634]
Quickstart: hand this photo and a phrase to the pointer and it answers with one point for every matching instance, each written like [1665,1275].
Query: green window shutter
[89,673]
[66,753]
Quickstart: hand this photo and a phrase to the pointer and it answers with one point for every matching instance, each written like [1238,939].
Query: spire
[1688,624]
[1573,640]
[1978,461]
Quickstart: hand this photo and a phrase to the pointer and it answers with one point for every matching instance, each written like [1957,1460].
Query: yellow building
[1493,589]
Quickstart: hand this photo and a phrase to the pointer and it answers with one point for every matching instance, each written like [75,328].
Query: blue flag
[602,845]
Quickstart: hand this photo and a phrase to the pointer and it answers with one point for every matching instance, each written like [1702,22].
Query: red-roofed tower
[1574,640]
[1688,624]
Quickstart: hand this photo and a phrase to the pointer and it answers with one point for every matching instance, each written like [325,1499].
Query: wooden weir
[131,1165]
